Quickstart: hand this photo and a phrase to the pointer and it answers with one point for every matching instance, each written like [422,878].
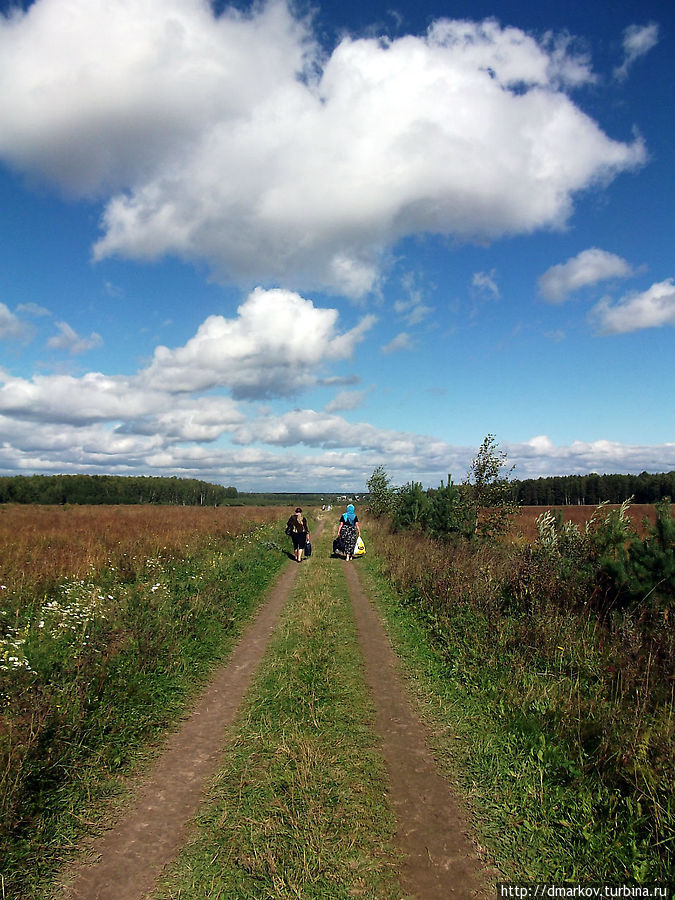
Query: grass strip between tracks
[299,807]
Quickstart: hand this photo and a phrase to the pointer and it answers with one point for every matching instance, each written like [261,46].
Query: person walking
[348,531]
[297,528]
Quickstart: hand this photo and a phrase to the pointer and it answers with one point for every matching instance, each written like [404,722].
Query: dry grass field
[524,523]
[39,543]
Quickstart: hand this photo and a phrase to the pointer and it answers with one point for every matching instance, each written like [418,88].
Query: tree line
[590,490]
[113,489]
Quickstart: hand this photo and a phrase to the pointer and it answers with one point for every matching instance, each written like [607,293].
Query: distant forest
[131,489]
[559,490]
[113,489]
[566,490]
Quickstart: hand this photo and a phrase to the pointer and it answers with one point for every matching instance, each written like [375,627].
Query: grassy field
[40,545]
[557,725]
[111,619]
[298,809]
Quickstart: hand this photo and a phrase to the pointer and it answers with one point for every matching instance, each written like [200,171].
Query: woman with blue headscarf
[348,531]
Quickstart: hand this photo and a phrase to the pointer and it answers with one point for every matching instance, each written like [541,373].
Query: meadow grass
[564,753]
[94,672]
[298,809]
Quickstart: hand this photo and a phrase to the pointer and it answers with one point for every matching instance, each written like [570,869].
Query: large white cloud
[325,429]
[190,419]
[119,89]
[95,449]
[541,457]
[93,397]
[272,349]
[232,139]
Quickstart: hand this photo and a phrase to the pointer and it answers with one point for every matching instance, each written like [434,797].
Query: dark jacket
[294,525]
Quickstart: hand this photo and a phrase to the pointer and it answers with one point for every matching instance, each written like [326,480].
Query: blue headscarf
[350,515]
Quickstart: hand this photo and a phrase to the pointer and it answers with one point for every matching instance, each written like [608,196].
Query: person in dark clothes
[297,528]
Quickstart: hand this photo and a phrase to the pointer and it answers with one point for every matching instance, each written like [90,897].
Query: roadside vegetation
[111,618]
[552,664]
[299,807]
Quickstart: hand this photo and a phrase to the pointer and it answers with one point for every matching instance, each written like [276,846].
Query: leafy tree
[593,489]
[608,554]
[487,491]
[382,495]
[96,489]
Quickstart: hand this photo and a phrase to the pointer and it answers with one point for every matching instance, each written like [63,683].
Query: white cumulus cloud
[541,457]
[652,308]
[587,268]
[232,139]
[93,397]
[272,349]
[190,419]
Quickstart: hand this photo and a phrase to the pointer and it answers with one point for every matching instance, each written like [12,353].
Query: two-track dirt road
[440,859]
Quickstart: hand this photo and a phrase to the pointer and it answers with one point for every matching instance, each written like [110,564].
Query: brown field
[524,523]
[47,542]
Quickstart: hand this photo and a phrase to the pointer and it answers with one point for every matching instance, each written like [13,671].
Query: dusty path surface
[440,859]
[129,857]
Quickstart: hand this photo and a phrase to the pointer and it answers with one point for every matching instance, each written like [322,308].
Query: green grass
[520,736]
[100,696]
[298,809]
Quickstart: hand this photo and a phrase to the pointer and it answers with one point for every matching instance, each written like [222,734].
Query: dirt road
[441,862]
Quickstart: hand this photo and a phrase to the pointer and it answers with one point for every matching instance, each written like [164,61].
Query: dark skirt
[299,539]
[348,536]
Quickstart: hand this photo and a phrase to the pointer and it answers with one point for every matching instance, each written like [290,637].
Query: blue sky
[278,247]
